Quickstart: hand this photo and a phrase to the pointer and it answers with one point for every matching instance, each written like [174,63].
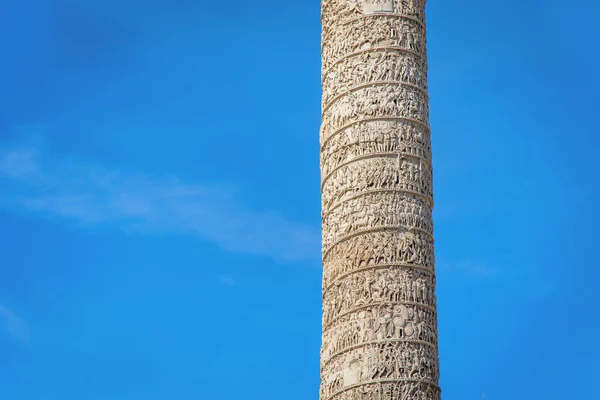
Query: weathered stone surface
[379,304]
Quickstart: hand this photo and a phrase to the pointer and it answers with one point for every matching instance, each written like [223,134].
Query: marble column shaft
[379,305]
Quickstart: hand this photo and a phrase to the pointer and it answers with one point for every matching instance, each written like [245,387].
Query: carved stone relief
[336,13]
[379,303]
[390,286]
[395,174]
[368,68]
[376,249]
[393,322]
[364,34]
[378,102]
[373,138]
[353,217]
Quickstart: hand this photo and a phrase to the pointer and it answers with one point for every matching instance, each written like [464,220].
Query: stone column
[379,305]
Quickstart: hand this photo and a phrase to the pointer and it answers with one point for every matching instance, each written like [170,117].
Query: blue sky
[159,208]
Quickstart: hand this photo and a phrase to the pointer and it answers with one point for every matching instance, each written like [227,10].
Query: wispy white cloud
[92,195]
[14,325]
[227,280]
[19,163]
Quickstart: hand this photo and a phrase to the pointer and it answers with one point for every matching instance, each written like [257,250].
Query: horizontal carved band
[355,310]
[366,213]
[325,70]
[405,174]
[394,156]
[327,32]
[385,360]
[332,205]
[393,248]
[372,85]
[328,284]
[392,290]
[337,131]
[395,218]
[379,64]
[394,228]
[335,13]
[385,136]
[327,358]
[378,32]
[392,101]
[433,386]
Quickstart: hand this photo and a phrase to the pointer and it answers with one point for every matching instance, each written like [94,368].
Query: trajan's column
[379,305]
